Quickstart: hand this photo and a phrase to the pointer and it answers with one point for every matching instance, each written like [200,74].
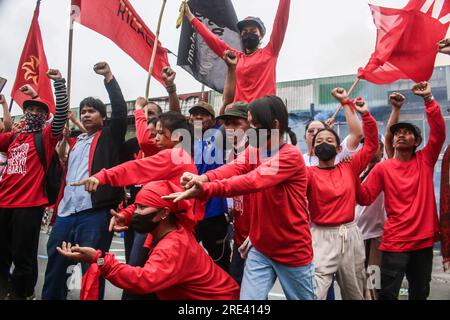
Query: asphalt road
[440,285]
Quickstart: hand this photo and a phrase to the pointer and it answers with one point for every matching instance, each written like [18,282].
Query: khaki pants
[339,250]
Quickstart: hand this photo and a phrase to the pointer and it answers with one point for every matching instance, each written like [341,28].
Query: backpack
[53,175]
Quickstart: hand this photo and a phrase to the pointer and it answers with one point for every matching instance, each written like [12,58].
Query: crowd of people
[177,188]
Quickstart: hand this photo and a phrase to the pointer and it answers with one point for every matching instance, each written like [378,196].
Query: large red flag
[118,21]
[33,67]
[406,45]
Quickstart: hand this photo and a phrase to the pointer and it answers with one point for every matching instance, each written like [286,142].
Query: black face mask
[325,151]
[250,40]
[143,223]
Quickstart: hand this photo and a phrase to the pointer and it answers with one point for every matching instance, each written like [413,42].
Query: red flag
[406,46]
[118,21]
[33,67]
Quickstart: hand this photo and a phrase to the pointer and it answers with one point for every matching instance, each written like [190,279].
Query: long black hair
[268,109]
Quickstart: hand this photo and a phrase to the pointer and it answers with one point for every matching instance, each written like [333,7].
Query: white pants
[339,250]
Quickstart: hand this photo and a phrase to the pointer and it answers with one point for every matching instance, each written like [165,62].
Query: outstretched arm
[397,100]
[279,27]
[230,83]
[214,43]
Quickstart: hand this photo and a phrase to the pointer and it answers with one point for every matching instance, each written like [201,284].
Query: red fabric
[406,45]
[150,196]
[169,164]
[412,221]
[90,281]
[118,21]
[146,142]
[24,169]
[178,268]
[331,193]
[255,73]
[279,226]
[444,210]
[242,214]
[33,67]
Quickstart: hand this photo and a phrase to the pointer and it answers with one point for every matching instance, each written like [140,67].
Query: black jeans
[213,234]
[237,265]
[416,265]
[19,242]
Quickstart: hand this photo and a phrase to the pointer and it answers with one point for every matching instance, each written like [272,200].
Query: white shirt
[370,220]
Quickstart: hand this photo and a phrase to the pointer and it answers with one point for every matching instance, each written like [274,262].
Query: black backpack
[53,174]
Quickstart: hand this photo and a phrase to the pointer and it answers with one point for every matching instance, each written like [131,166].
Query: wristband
[35,97]
[428,98]
[171,88]
[350,103]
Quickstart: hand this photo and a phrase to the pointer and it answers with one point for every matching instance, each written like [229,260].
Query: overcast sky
[324,38]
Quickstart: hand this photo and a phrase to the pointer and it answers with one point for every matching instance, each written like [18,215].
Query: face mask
[143,223]
[34,122]
[325,151]
[250,41]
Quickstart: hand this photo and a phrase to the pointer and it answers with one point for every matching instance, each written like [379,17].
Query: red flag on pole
[118,21]
[407,38]
[33,67]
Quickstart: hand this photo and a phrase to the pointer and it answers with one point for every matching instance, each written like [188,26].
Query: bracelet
[428,98]
[171,88]
[35,97]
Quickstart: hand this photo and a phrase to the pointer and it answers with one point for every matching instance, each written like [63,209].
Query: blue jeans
[88,228]
[261,272]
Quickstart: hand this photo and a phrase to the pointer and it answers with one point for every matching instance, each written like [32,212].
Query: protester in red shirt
[256,68]
[412,224]
[168,164]
[178,268]
[337,241]
[274,175]
[236,124]
[22,189]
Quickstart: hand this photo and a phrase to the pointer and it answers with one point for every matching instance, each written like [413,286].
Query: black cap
[413,128]
[252,21]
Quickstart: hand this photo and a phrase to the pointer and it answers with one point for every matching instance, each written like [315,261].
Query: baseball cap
[36,102]
[203,106]
[252,21]
[413,128]
[237,109]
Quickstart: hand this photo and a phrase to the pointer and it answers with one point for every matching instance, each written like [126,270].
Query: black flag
[194,55]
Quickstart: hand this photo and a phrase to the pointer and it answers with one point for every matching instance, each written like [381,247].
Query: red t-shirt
[279,226]
[22,183]
[178,268]
[331,192]
[412,222]
[255,73]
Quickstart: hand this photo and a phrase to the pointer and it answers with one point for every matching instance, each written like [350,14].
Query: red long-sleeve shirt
[146,142]
[178,268]
[331,192]
[255,73]
[169,164]
[412,221]
[279,226]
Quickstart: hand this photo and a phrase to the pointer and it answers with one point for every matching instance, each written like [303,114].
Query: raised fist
[28,90]
[396,100]
[168,75]
[230,58]
[54,74]
[340,94]
[422,89]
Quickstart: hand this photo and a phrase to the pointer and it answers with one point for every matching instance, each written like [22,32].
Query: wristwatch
[101,259]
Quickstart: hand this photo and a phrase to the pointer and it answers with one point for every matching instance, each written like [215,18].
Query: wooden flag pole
[352,88]
[69,62]
[155,48]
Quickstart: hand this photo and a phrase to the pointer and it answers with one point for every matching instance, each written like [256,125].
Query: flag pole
[352,88]
[11,105]
[69,60]
[155,48]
